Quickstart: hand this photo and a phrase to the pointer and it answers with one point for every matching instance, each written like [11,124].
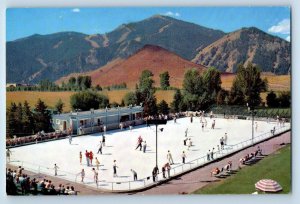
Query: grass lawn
[276,166]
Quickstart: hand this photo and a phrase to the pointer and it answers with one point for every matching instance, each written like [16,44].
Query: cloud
[283,27]
[170,13]
[76,10]
[288,38]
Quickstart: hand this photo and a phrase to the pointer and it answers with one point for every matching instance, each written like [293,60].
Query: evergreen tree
[164,80]
[285,99]
[130,99]
[27,120]
[11,120]
[177,101]
[163,107]
[18,119]
[42,117]
[87,100]
[59,106]
[272,100]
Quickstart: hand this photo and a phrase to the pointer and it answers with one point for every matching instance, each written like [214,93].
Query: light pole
[251,108]
[156,123]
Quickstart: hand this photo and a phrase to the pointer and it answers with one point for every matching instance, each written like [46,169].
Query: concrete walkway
[187,183]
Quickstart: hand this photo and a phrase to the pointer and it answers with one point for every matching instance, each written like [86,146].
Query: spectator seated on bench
[215,171]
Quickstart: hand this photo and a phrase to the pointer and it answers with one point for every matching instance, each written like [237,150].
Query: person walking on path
[82,174]
[103,140]
[97,163]
[8,154]
[144,147]
[115,169]
[208,155]
[100,148]
[183,157]
[170,158]
[91,155]
[55,169]
[80,157]
[87,156]
[134,174]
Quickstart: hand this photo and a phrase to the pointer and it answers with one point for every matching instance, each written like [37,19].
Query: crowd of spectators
[39,137]
[19,183]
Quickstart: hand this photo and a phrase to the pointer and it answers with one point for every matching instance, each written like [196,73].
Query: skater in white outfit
[186,131]
[70,139]
[55,169]
[170,158]
[225,139]
[190,143]
[8,153]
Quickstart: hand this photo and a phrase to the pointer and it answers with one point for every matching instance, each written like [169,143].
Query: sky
[23,22]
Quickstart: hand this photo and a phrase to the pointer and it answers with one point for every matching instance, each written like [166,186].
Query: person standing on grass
[100,148]
[115,168]
[80,157]
[134,174]
[55,169]
[170,158]
[97,163]
[183,157]
[87,156]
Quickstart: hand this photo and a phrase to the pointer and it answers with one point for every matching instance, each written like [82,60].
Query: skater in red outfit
[91,155]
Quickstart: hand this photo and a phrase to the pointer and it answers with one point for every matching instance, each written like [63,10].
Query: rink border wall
[195,168]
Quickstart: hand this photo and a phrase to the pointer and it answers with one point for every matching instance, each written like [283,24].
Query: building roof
[101,112]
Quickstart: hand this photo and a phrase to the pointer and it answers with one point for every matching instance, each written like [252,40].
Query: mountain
[154,58]
[52,56]
[271,54]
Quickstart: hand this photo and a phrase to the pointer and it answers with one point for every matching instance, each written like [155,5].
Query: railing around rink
[148,181]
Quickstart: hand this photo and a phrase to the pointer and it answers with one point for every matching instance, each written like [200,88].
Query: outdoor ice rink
[120,146]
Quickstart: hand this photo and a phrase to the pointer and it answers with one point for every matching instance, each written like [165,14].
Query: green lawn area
[276,166]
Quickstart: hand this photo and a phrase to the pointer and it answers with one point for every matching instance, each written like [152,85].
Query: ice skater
[70,139]
[212,154]
[115,169]
[202,127]
[213,124]
[103,140]
[208,155]
[91,156]
[186,132]
[256,126]
[82,174]
[104,129]
[80,157]
[155,173]
[95,175]
[144,147]
[87,156]
[97,163]
[225,139]
[190,143]
[8,154]
[139,143]
[222,143]
[183,156]
[134,174]
[184,141]
[100,148]
[55,169]
[170,158]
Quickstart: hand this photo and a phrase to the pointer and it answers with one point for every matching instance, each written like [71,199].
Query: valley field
[51,98]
